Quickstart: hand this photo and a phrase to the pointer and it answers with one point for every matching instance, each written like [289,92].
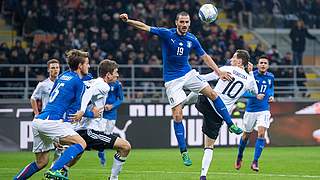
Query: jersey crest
[189,44]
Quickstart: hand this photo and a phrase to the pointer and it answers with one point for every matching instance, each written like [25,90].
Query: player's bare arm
[34,106]
[137,24]
[222,74]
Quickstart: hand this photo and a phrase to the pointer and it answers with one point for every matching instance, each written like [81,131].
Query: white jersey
[96,92]
[42,91]
[230,92]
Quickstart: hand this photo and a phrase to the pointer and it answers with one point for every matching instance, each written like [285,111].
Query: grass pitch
[166,164]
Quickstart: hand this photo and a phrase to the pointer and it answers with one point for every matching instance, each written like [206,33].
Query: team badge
[180,44]
[269,81]
[189,44]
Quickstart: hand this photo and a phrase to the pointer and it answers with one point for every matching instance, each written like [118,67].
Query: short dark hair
[75,57]
[244,55]
[182,13]
[52,61]
[107,66]
[263,57]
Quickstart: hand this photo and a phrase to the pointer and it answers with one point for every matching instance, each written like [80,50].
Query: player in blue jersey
[257,115]
[113,102]
[48,127]
[177,44]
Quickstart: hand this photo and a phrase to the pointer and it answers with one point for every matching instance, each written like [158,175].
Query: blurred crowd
[273,13]
[94,26]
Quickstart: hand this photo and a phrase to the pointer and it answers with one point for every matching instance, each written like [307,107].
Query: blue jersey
[67,89]
[265,83]
[115,97]
[175,51]
[74,107]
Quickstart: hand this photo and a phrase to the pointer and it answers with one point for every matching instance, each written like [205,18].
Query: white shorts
[45,132]
[253,120]
[192,81]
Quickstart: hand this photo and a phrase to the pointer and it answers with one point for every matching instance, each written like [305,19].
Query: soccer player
[229,92]
[93,129]
[48,126]
[113,102]
[257,114]
[43,89]
[177,43]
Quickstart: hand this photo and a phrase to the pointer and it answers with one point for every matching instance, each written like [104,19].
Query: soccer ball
[208,13]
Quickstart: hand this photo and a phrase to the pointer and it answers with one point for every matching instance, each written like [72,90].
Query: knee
[83,144]
[261,135]
[177,116]
[125,148]
[41,163]
[245,136]
[212,95]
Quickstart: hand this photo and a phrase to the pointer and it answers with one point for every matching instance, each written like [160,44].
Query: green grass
[166,164]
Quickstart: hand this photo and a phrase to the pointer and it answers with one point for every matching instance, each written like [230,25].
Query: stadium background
[34,31]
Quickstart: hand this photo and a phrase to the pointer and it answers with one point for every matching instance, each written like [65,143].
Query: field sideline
[166,164]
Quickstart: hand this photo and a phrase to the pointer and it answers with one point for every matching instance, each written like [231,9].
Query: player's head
[78,61]
[183,22]
[53,68]
[263,64]
[240,58]
[108,70]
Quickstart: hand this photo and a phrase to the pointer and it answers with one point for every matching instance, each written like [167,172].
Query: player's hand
[224,75]
[108,107]
[271,99]
[97,112]
[260,96]
[76,117]
[124,17]
[250,66]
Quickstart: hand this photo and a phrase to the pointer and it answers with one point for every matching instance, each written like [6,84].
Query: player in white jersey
[92,130]
[40,95]
[229,92]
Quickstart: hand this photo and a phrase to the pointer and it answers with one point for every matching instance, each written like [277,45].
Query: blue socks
[102,158]
[67,156]
[241,148]
[27,172]
[223,111]
[259,147]
[179,131]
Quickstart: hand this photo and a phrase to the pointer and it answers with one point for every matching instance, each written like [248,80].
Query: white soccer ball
[208,13]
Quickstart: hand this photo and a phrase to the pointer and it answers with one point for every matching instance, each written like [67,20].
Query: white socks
[206,161]
[117,166]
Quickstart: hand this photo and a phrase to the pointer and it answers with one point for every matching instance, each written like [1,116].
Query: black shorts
[97,140]
[212,122]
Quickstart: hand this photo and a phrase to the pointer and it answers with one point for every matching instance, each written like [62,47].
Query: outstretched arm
[222,74]
[137,24]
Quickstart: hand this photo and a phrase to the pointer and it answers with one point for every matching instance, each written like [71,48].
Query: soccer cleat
[113,178]
[254,166]
[203,178]
[186,159]
[235,129]
[238,164]
[55,175]
[64,171]
[102,158]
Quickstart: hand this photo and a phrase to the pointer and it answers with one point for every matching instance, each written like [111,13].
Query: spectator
[287,59]
[298,35]
[274,55]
